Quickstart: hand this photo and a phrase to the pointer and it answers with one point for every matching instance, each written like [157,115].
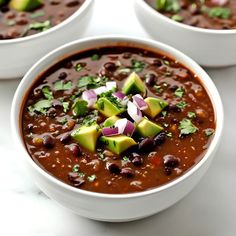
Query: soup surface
[209,14]
[15,23]
[117,120]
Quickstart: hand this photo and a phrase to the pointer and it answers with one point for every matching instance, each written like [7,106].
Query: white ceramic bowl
[211,48]
[18,55]
[114,207]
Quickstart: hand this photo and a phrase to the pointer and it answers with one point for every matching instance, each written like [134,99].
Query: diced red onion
[108,131]
[111,85]
[119,95]
[220,2]
[100,90]
[125,127]
[90,97]
[134,112]
[139,102]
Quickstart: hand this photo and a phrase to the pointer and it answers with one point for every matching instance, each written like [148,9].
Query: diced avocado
[147,128]
[107,108]
[118,144]
[87,136]
[155,106]
[110,121]
[25,5]
[133,85]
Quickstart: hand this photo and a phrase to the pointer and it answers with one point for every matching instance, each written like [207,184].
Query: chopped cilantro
[123,71]
[125,158]
[47,93]
[168,5]
[91,118]
[209,132]
[91,178]
[41,106]
[177,18]
[137,66]
[37,14]
[91,82]
[75,168]
[60,85]
[63,121]
[81,174]
[220,12]
[158,88]
[80,107]
[95,57]
[179,92]
[65,106]
[181,104]
[169,135]
[186,127]
[164,113]
[191,115]
[79,67]
[40,26]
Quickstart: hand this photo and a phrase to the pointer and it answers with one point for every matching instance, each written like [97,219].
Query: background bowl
[18,55]
[210,48]
[114,207]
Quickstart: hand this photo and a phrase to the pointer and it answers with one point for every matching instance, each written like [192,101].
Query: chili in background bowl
[115,207]
[19,54]
[209,47]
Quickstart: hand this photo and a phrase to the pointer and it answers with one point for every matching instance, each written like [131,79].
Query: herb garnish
[219,12]
[41,106]
[137,66]
[186,127]
[95,57]
[168,5]
[79,67]
[65,106]
[80,107]
[60,85]
[91,178]
[177,18]
[91,82]
[40,26]
[75,168]
[125,158]
[37,14]
[47,93]
[179,92]
[181,104]
[209,132]
[191,115]
[91,118]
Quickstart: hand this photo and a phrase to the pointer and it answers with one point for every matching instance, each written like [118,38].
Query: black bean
[54,2]
[75,149]
[78,182]
[156,62]
[127,172]
[48,141]
[72,3]
[21,21]
[56,104]
[160,139]
[68,65]
[5,9]
[167,170]
[150,79]
[113,167]
[174,108]
[173,87]
[137,161]
[171,161]
[146,144]
[127,55]
[62,75]
[110,66]
[51,112]
[65,138]
[30,127]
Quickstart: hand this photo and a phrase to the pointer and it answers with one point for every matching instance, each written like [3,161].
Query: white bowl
[18,55]
[210,48]
[114,207]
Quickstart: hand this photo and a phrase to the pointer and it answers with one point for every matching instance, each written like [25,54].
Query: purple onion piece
[139,102]
[108,131]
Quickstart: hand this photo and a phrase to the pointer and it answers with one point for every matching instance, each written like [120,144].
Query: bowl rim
[157,14]
[155,45]
[64,23]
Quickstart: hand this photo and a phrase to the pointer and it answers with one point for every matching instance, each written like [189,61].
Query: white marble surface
[209,210]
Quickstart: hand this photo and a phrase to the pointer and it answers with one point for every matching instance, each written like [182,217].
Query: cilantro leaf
[191,115]
[168,5]
[209,132]
[137,66]
[60,85]
[186,127]
[179,92]
[91,178]
[220,12]
[65,106]
[181,104]
[47,93]
[80,107]
[95,57]
[41,106]
[79,67]
[40,26]
[91,82]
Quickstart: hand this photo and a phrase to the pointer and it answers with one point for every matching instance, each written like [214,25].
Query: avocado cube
[147,128]
[87,136]
[155,106]
[107,108]
[118,144]
[110,121]
[133,85]
[25,5]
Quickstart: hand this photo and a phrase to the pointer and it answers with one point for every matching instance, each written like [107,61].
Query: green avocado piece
[25,5]
[118,144]
[155,106]
[87,136]
[107,108]
[147,128]
[133,85]
[110,121]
